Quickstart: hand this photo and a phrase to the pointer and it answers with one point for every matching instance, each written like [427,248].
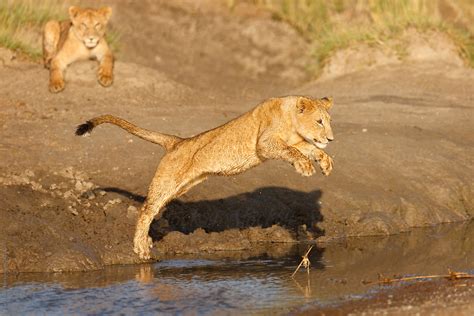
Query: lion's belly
[227,161]
[238,165]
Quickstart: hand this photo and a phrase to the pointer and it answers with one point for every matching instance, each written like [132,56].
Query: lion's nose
[330,138]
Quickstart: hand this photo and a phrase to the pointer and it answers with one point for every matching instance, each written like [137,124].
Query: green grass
[337,24]
[21,21]
[328,25]
[21,24]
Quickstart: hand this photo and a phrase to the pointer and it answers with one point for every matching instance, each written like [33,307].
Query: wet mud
[403,146]
[260,281]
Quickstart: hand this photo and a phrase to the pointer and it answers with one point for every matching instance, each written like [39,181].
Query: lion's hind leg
[166,185]
[51,35]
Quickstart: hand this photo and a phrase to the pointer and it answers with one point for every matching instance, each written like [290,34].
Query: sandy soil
[403,148]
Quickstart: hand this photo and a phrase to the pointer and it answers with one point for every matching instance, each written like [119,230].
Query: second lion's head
[90,24]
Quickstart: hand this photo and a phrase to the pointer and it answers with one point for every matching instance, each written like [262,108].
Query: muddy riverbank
[403,155]
[255,282]
[403,150]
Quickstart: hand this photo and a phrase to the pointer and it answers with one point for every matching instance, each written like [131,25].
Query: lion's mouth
[91,44]
[320,145]
[316,143]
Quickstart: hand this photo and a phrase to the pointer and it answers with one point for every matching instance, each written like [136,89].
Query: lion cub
[80,38]
[293,129]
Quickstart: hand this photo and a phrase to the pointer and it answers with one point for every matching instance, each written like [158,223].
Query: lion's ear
[327,102]
[73,12]
[302,104]
[106,12]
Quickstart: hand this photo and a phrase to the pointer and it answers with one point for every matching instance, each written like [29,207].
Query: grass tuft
[337,24]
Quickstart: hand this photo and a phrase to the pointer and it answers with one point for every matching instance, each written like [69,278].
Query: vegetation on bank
[21,23]
[329,25]
[337,24]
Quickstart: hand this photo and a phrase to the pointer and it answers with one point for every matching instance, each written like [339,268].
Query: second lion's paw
[56,85]
[105,77]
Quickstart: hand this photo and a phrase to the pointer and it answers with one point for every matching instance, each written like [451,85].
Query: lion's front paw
[56,85]
[326,163]
[105,78]
[304,167]
[142,248]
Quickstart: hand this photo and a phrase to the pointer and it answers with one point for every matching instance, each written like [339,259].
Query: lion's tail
[167,141]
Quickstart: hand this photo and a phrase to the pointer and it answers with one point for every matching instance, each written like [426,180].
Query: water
[256,285]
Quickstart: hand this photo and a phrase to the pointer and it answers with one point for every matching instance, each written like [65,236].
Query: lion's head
[89,24]
[313,121]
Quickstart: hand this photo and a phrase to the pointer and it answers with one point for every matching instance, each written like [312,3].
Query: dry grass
[21,22]
[328,25]
[337,24]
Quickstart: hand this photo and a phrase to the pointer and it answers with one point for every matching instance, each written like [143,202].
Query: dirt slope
[403,151]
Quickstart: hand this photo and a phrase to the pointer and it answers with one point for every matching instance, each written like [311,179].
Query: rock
[73,211]
[112,202]
[132,212]
[90,195]
[29,173]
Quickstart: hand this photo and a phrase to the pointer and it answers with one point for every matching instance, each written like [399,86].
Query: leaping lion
[292,128]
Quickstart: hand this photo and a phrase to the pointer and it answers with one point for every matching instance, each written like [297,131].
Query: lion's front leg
[58,66]
[324,160]
[51,35]
[56,76]
[105,74]
[277,149]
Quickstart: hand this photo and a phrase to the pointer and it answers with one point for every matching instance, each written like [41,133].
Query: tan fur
[289,128]
[80,38]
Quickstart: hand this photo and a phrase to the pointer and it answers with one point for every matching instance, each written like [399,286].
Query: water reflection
[253,284]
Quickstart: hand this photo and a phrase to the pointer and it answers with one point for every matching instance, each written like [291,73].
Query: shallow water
[252,286]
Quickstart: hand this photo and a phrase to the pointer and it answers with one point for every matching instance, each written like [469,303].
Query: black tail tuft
[84,128]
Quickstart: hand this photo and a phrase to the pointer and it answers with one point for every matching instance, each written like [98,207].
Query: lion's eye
[83,26]
[98,26]
[320,122]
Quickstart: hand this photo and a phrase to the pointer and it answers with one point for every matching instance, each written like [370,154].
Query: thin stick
[452,275]
[306,290]
[305,259]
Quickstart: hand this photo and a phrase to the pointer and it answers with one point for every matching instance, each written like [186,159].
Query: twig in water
[304,262]
[306,291]
[452,275]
